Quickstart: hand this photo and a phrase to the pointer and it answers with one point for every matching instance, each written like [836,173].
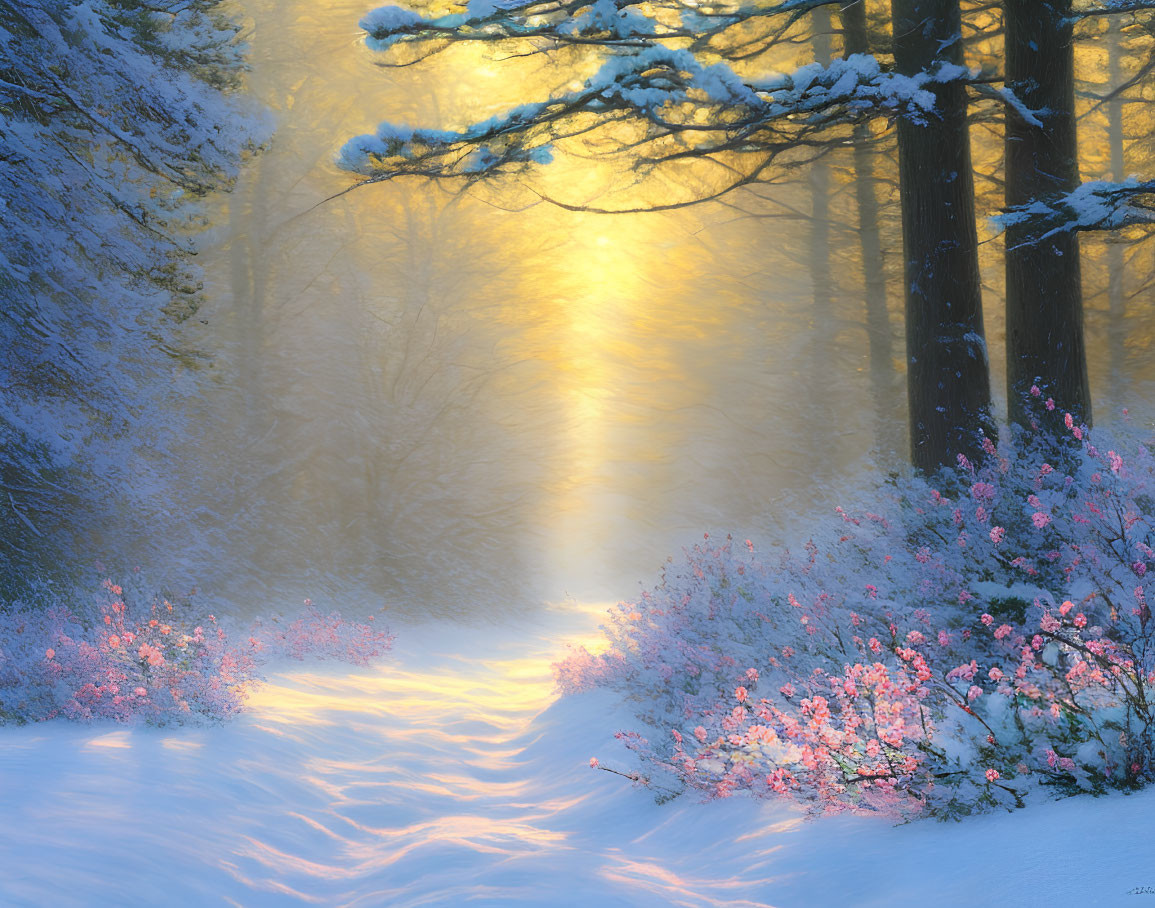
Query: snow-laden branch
[610,23]
[682,108]
[1095,205]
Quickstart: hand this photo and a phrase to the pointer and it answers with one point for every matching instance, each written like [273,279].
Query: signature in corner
[1141,890]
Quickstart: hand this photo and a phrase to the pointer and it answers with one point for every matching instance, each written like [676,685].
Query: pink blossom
[1080,620]
[992,775]
[1068,420]
[1035,392]
[1115,461]
[740,693]
[966,671]
[594,763]
[997,534]
[151,654]
[50,654]
[1003,631]
[983,491]
[1050,404]
[1066,607]
[974,693]
[1040,519]
[988,620]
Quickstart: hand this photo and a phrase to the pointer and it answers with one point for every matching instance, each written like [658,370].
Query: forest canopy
[715,98]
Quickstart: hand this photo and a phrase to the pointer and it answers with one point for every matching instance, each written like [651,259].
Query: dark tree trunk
[1044,288]
[948,386]
[881,347]
[1116,289]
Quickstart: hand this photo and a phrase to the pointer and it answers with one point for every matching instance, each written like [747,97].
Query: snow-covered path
[448,776]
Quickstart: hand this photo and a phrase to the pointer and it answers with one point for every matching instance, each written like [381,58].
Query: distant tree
[856,39]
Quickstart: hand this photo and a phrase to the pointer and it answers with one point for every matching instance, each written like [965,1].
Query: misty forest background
[120,118]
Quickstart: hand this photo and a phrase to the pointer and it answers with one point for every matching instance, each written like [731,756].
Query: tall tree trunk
[822,287]
[1116,289]
[881,346]
[948,385]
[1045,344]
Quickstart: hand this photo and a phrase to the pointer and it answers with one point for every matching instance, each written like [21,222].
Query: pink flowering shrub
[151,659]
[318,636]
[989,636]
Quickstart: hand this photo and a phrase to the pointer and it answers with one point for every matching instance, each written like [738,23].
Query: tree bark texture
[948,385]
[1045,344]
[1116,287]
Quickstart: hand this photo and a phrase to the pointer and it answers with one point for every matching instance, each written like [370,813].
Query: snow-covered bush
[976,637]
[153,659]
[113,122]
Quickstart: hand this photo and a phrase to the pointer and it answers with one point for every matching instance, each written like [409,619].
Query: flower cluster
[318,636]
[989,636]
[152,659]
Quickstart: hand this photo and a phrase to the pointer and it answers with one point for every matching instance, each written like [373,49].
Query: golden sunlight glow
[506,694]
[116,740]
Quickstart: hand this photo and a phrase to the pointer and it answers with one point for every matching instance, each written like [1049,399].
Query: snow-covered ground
[452,775]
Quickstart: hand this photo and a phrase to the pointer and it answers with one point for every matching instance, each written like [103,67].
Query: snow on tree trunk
[948,386]
[1045,343]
